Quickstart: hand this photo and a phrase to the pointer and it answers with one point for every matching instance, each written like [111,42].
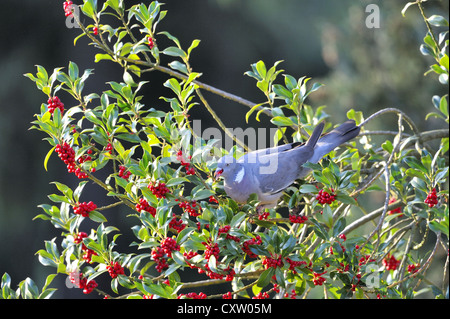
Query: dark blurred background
[365,69]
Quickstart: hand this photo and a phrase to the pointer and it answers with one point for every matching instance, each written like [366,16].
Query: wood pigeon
[269,171]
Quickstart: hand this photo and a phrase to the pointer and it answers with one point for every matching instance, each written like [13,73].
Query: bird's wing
[275,172]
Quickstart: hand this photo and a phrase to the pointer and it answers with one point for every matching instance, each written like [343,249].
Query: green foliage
[156,168]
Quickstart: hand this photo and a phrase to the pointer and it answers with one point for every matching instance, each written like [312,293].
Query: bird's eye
[228,164]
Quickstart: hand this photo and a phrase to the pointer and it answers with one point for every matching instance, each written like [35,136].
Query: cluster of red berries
[159,255]
[88,253]
[211,250]
[292,295]
[213,275]
[67,155]
[199,226]
[263,216]
[230,275]
[158,189]
[212,199]
[168,245]
[79,281]
[413,268]
[145,206]
[115,269]
[390,263]
[431,199]
[295,263]
[272,262]
[79,237]
[318,280]
[109,148]
[54,103]
[176,224]
[224,230]
[190,207]
[297,219]
[343,268]
[365,259]
[84,208]
[254,241]
[190,254]
[192,295]
[189,169]
[233,238]
[227,295]
[397,210]
[68,8]
[123,172]
[95,30]
[325,198]
[261,295]
[344,238]
[84,158]
[151,42]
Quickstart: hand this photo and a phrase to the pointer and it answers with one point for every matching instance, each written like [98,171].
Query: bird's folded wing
[276,172]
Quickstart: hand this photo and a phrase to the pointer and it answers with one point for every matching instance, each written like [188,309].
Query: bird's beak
[218,172]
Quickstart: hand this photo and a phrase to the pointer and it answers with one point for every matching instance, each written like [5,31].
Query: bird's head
[227,166]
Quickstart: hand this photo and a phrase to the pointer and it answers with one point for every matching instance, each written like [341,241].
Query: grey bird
[268,172]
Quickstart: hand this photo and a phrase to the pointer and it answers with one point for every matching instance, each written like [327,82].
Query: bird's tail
[333,139]
[315,135]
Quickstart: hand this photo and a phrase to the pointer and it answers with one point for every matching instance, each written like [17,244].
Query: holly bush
[322,241]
